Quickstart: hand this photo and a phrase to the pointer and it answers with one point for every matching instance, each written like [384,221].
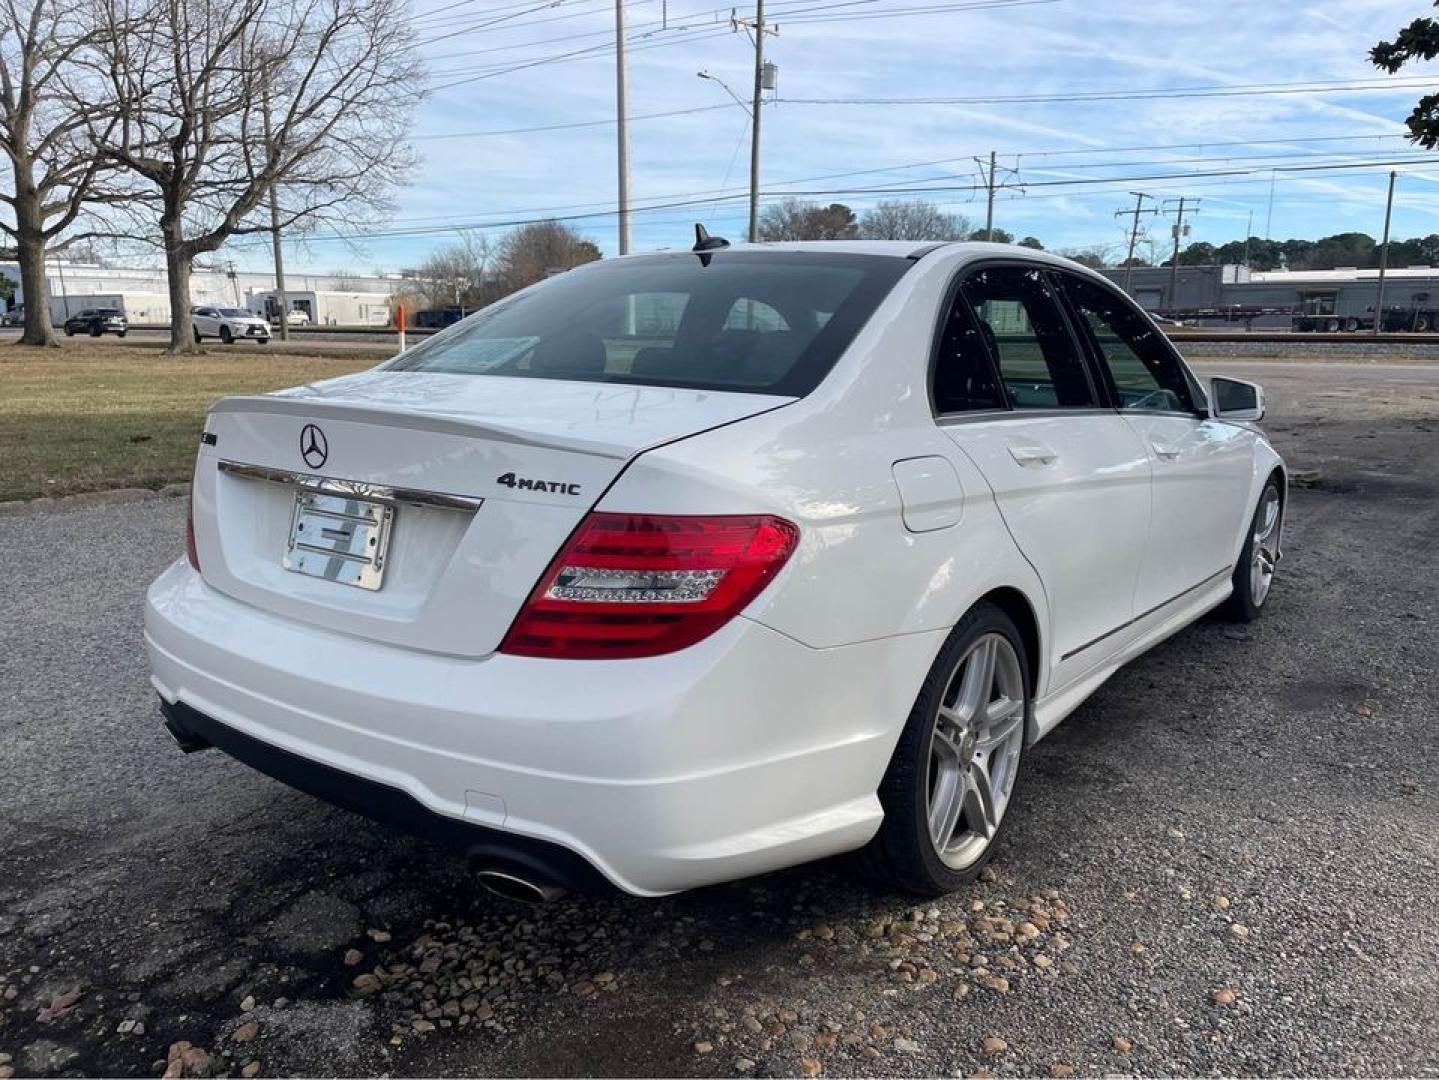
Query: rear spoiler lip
[444,423]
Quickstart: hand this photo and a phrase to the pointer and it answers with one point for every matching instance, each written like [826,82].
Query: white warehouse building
[142,292]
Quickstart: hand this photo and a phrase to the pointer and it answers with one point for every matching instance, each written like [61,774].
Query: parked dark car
[97,321]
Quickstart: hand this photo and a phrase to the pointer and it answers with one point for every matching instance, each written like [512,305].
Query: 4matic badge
[524,483]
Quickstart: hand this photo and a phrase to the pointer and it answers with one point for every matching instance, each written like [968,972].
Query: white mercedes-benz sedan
[682,567]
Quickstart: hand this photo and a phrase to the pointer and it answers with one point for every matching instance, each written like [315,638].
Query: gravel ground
[1225,862]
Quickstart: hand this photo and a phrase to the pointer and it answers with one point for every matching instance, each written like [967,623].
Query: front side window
[772,322]
[1145,372]
[1023,325]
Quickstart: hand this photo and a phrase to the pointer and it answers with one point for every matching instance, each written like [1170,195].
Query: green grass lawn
[91,416]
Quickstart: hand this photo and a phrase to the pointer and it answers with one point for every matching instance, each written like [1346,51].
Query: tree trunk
[177,272]
[30,254]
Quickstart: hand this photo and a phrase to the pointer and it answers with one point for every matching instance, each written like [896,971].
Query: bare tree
[796,219]
[43,132]
[1095,256]
[458,275]
[219,101]
[900,219]
[533,252]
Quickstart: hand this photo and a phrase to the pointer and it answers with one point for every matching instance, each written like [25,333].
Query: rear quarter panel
[826,463]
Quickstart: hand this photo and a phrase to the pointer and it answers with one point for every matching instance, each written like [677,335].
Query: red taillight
[190,552]
[628,585]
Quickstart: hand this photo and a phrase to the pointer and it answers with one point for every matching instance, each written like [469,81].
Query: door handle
[1033,454]
[1164,451]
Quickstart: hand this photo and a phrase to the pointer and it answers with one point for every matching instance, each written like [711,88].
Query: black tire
[96,330]
[69,331]
[1421,323]
[226,337]
[262,341]
[1242,605]
[121,333]
[1351,325]
[196,331]
[901,853]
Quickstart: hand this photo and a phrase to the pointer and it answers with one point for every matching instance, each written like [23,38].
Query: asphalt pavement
[1225,862]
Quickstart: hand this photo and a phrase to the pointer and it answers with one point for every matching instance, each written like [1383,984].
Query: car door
[1202,468]
[205,321]
[1071,478]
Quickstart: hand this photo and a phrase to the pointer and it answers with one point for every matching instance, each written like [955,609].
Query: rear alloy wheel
[225,336]
[952,779]
[1254,573]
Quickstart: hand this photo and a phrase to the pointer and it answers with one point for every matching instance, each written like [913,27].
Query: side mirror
[1235,399]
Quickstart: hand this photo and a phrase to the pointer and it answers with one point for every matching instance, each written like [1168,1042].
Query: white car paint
[763,744]
[215,321]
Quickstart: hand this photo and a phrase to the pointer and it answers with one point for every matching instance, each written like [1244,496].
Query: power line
[566,127]
[710,198]
[1252,89]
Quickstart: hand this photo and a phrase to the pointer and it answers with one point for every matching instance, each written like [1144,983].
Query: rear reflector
[629,585]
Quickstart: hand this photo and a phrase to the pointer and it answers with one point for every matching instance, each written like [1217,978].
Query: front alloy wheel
[1254,573]
[952,779]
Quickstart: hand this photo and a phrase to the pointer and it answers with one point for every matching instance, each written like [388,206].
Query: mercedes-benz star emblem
[313,447]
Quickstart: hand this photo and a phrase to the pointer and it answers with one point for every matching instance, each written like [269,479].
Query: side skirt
[1050,710]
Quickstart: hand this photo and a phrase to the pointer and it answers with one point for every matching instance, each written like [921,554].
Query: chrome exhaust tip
[513,887]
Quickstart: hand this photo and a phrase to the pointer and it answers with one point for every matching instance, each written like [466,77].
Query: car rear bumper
[742,754]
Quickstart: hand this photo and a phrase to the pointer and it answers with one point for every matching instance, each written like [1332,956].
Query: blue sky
[842,49]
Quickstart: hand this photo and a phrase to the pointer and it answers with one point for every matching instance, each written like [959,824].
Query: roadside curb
[85,500]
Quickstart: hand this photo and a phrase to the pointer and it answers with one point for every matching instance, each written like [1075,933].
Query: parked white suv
[228,324]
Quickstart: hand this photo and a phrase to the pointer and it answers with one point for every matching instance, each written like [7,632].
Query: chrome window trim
[974,416]
[326,485]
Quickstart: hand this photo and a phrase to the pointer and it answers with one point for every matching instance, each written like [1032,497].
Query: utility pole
[989,203]
[1384,253]
[622,116]
[275,232]
[759,30]
[1178,234]
[988,172]
[1269,214]
[1139,197]
[64,296]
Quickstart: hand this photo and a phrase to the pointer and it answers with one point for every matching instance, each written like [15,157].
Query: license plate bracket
[340,538]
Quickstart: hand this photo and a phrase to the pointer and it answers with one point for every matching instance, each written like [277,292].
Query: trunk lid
[483,478]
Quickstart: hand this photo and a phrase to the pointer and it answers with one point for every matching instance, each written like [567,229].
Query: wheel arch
[1016,605]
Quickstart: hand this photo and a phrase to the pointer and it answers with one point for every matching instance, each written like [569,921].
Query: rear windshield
[765,322]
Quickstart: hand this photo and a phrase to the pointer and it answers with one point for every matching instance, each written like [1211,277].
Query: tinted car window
[964,373]
[1023,325]
[772,322]
[1145,372]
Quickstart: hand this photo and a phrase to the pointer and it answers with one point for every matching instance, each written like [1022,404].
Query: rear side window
[964,375]
[764,322]
[1021,322]
[1145,372]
